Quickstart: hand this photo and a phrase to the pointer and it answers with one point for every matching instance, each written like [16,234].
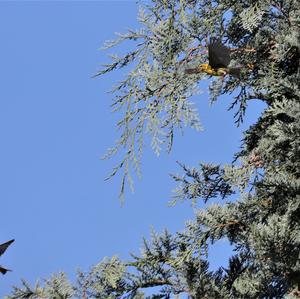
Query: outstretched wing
[218,54]
[4,246]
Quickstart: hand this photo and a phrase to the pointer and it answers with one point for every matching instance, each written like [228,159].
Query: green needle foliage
[263,222]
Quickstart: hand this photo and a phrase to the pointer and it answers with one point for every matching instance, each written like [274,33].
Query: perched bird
[3,248]
[218,61]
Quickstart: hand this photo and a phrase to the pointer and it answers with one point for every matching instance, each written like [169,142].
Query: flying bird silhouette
[3,248]
[218,61]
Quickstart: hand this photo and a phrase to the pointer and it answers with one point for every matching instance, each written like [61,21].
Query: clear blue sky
[55,124]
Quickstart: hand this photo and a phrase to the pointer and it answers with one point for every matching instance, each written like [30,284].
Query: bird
[218,61]
[3,248]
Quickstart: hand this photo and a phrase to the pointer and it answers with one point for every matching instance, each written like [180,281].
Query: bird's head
[204,67]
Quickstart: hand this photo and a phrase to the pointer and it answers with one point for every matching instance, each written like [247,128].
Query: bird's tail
[235,71]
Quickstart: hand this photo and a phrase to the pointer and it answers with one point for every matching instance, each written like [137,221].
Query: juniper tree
[263,222]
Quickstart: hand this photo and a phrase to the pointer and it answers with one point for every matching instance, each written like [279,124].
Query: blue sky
[56,123]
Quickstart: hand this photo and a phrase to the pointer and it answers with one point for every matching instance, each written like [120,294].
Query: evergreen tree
[263,223]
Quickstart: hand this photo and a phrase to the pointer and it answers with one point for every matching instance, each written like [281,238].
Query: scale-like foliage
[262,223]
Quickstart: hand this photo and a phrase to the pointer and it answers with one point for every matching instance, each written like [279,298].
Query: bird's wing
[4,246]
[3,270]
[218,54]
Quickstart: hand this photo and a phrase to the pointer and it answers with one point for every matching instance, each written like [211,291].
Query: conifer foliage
[263,223]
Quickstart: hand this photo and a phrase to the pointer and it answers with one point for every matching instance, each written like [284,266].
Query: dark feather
[218,54]
[3,270]
[235,71]
[4,246]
